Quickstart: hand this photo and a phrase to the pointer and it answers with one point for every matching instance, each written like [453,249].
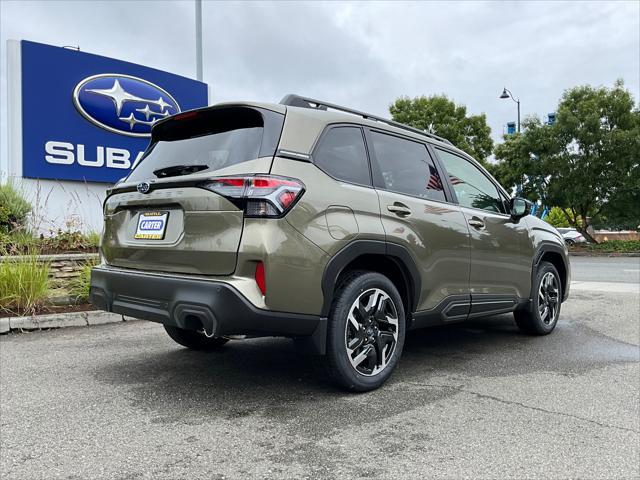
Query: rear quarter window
[341,154]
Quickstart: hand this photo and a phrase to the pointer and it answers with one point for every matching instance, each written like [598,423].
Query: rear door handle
[399,209]
[476,223]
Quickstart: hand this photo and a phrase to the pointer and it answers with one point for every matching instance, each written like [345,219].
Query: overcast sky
[359,54]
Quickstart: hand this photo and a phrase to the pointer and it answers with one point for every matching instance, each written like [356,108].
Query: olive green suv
[334,227]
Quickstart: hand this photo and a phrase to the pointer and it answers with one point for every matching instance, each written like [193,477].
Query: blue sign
[511,128]
[88,118]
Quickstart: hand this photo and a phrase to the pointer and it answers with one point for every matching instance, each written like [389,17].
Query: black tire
[194,340]
[377,341]
[533,320]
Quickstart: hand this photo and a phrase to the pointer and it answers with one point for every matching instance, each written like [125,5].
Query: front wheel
[366,330]
[195,340]
[541,317]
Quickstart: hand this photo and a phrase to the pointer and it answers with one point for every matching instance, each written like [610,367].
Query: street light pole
[198,39]
[506,93]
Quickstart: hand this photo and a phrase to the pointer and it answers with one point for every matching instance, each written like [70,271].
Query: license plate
[151,225]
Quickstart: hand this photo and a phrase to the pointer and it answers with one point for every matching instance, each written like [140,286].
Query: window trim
[481,169]
[378,180]
[318,142]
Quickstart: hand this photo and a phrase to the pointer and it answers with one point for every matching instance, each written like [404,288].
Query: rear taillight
[259,195]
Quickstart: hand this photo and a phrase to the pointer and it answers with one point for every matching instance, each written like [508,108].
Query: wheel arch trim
[554,248]
[358,248]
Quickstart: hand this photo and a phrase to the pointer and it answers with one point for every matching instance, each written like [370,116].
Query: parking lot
[478,400]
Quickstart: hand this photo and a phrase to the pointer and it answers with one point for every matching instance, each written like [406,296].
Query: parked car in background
[572,236]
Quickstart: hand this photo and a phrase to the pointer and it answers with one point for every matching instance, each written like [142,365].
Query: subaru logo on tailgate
[143,187]
[123,104]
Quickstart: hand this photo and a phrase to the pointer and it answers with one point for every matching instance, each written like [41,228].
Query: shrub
[620,246]
[93,239]
[18,242]
[13,209]
[557,218]
[23,285]
[79,286]
[69,241]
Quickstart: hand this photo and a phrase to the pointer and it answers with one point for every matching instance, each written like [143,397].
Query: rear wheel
[195,340]
[541,317]
[366,329]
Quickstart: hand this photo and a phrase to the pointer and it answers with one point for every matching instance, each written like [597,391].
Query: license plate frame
[151,225]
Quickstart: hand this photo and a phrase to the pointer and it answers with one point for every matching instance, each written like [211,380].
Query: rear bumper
[194,303]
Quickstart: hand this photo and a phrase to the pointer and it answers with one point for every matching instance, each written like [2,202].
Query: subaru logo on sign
[123,104]
[143,187]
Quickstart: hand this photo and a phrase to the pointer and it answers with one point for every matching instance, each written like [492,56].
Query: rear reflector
[260,278]
[259,195]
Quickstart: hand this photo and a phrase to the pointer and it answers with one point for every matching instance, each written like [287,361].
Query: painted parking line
[613,287]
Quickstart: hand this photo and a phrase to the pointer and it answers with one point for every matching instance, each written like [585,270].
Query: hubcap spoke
[353,321]
[359,358]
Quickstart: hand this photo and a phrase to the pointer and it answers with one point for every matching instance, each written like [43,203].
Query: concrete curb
[60,320]
[610,254]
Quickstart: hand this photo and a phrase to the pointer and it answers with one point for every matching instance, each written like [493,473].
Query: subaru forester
[334,227]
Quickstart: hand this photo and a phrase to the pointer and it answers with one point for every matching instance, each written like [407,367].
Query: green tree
[587,163]
[437,114]
[557,218]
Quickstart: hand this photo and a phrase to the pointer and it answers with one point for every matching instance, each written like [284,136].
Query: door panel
[500,259]
[436,235]
[416,215]
[498,266]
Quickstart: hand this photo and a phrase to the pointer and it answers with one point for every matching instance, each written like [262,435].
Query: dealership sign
[86,117]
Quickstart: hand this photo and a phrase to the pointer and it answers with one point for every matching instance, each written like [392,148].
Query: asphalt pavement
[606,269]
[478,400]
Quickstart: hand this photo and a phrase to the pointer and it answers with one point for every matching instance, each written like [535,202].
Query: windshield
[206,141]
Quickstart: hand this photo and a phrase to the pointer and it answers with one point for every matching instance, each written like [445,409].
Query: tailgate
[196,231]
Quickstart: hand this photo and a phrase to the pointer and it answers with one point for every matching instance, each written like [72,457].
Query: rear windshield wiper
[177,170]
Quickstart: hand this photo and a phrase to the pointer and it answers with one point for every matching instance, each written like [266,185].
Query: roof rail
[306,102]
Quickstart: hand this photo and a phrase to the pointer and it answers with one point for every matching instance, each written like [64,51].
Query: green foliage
[587,163]
[79,286]
[558,218]
[443,117]
[68,241]
[611,246]
[93,239]
[22,242]
[13,209]
[18,242]
[23,285]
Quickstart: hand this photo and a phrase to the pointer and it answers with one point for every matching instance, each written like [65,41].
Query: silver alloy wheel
[371,332]
[548,298]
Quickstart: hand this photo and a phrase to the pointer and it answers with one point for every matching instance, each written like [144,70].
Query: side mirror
[520,208]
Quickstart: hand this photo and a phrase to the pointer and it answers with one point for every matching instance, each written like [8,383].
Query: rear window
[209,140]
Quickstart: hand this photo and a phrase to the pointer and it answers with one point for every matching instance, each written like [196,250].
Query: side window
[472,187]
[406,167]
[341,154]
